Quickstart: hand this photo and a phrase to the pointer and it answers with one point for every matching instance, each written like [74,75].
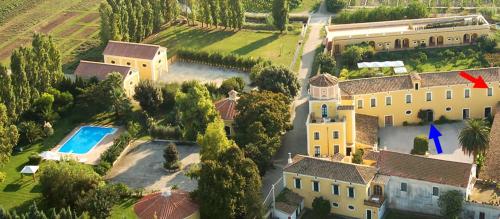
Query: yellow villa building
[404,34]
[346,115]
[149,60]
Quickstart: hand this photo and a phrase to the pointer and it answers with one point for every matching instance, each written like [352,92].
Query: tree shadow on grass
[256,45]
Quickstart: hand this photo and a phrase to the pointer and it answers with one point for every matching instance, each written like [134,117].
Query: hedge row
[165,132]
[219,59]
[262,18]
[111,154]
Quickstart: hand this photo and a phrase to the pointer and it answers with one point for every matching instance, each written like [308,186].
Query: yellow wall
[195,215]
[152,69]
[129,83]
[326,191]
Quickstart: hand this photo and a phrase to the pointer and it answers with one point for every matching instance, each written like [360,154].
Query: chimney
[233,95]
[375,147]
[167,193]
[289,158]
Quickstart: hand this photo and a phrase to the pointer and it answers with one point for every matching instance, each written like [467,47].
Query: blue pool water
[85,139]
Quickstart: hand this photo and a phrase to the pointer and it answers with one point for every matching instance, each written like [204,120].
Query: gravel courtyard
[142,167]
[183,71]
[400,139]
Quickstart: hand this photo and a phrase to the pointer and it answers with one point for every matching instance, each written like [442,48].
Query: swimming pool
[86,138]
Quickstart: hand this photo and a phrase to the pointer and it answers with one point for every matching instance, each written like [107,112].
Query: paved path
[294,141]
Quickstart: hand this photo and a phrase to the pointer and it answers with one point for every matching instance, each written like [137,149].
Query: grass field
[276,47]
[124,210]
[71,23]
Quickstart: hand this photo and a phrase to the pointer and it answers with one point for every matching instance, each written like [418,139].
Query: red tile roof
[132,50]
[226,108]
[87,69]
[178,205]
[366,129]
[424,168]
[491,169]
[323,80]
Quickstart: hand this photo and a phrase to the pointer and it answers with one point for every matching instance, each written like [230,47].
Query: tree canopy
[280,14]
[451,203]
[149,96]
[278,79]
[214,141]
[474,137]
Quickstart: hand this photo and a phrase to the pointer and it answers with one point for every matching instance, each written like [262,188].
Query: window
[404,187]
[144,65]
[490,92]
[335,134]
[158,52]
[335,204]
[435,191]
[408,98]
[159,61]
[360,104]
[408,112]
[324,111]
[316,151]
[416,86]
[113,62]
[128,63]
[373,102]
[487,112]
[316,135]
[448,94]
[482,215]
[465,113]
[467,93]
[388,101]
[428,96]
[336,149]
[348,151]
[448,109]
[350,192]
[351,207]
[298,183]
[335,189]
[315,186]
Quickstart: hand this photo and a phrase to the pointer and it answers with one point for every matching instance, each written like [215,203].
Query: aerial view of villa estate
[250,109]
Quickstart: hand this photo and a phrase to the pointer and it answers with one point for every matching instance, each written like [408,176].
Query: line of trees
[280,14]
[230,60]
[226,13]
[383,13]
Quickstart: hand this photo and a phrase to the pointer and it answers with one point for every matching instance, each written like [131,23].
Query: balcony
[318,120]
[375,201]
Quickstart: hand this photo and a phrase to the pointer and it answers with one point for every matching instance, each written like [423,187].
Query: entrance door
[465,114]
[388,121]
[487,112]
[368,214]
[430,115]
[348,151]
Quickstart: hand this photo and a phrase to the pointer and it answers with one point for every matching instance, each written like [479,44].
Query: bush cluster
[335,5]
[219,59]
[381,13]
[111,154]
[420,145]
[165,132]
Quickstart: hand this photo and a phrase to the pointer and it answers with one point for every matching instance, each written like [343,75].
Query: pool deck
[93,156]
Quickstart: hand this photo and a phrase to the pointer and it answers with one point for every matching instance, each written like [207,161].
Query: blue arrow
[434,134]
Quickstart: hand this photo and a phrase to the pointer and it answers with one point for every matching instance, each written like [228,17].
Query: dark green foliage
[62,100]
[119,144]
[34,159]
[9,137]
[36,213]
[30,132]
[380,13]
[420,145]
[262,148]
[233,83]
[171,156]
[278,79]
[416,10]
[99,202]
[229,187]
[149,96]
[218,58]
[358,156]
[236,14]
[165,132]
[335,5]
[356,53]
[327,64]
[451,203]
[280,14]
[486,44]
[321,207]
[168,92]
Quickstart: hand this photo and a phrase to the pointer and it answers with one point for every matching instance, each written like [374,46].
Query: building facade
[405,34]
[149,60]
[335,107]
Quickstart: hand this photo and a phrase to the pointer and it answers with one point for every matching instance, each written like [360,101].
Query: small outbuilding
[171,204]
[289,205]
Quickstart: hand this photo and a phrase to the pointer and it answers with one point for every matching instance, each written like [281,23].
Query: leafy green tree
[214,141]
[223,13]
[100,202]
[420,145]
[214,11]
[168,95]
[417,9]
[62,100]
[358,156]
[271,109]
[171,156]
[233,83]
[106,22]
[451,203]
[149,96]
[474,137]
[229,187]
[8,136]
[171,10]
[328,64]
[42,108]
[236,14]
[205,12]
[20,82]
[196,110]
[486,43]
[67,183]
[278,79]
[262,147]
[280,14]
[193,16]
[321,207]
[30,131]
[335,5]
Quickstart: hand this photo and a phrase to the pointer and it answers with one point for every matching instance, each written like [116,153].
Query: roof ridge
[422,157]
[132,43]
[103,63]
[338,162]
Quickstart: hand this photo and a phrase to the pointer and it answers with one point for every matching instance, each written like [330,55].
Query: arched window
[397,44]
[377,190]
[324,111]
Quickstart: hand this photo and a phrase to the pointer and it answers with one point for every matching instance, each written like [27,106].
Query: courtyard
[184,71]
[142,167]
[400,139]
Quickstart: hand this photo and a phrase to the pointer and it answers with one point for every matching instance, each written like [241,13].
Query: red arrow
[478,82]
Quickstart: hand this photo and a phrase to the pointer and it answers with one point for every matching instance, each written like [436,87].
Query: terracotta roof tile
[324,80]
[424,168]
[491,169]
[178,205]
[338,157]
[366,129]
[331,170]
[404,82]
[226,108]
[88,70]
[132,50]
[371,155]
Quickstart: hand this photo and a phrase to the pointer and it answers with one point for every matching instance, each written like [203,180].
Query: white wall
[472,211]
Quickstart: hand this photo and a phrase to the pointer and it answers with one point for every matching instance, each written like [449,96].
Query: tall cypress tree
[105,11]
[223,13]
[237,14]
[193,5]
[20,81]
[280,14]
[205,12]
[7,96]
[214,12]
[147,19]
[157,14]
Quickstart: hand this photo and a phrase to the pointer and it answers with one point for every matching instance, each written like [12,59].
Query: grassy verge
[125,209]
[307,6]
[276,47]
[296,66]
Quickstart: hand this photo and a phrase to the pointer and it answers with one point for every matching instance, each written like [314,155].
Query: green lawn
[307,6]
[276,47]
[124,210]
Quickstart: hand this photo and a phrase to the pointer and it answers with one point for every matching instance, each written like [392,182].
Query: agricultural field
[274,46]
[431,3]
[71,23]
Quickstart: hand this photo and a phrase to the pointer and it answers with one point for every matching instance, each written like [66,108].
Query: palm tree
[474,138]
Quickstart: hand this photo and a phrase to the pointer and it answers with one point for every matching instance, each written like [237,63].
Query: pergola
[29,170]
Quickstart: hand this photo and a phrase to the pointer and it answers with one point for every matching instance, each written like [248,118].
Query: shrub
[486,44]
[116,149]
[420,145]
[358,156]
[165,132]
[451,203]
[381,13]
[321,207]
[171,156]
[335,5]
[30,132]
[218,58]
[102,168]
[2,176]
[34,159]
